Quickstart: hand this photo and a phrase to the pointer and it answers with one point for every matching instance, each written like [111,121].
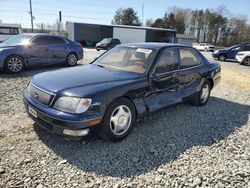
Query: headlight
[240,54]
[72,104]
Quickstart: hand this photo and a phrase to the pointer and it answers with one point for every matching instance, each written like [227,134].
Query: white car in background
[204,47]
[243,57]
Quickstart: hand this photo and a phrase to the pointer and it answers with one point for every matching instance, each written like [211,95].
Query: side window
[247,48]
[48,40]
[56,40]
[189,58]
[168,61]
[42,40]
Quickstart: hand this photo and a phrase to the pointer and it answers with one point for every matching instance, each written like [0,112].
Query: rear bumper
[47,120]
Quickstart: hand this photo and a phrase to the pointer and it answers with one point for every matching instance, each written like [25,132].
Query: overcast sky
[96,11]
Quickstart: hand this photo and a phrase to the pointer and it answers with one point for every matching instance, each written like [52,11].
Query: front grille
[40,95]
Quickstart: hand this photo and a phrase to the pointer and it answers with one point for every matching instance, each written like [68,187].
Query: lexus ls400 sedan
[33,49]
[123,84]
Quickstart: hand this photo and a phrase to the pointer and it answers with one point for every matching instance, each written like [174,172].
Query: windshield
[129,59]
[18,39]
[106,40]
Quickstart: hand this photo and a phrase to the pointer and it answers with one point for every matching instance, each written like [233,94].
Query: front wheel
[202,97]
[71,59]
[14,64]
[118,120]
[246,61]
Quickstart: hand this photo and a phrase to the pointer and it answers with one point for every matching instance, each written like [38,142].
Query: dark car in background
[230,53]
[123,84]
[107,43]
[33,49]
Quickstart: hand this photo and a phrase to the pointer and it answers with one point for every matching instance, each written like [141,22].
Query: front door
[164,81]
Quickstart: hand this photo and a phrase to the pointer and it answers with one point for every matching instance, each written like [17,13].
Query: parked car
[123,84]
[230,53]
[33,49]
[204,47]
[107,43]
[243,58]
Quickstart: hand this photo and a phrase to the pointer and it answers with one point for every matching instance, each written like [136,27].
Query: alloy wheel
[15,64]
[247,61]
[72,59]
[120,120]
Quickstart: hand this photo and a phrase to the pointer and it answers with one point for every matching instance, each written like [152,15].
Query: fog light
[83,132]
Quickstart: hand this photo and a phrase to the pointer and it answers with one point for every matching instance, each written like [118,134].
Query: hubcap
[120,120]
[247,61]
[15,64]
[222,58]
[72,59]
[204,93]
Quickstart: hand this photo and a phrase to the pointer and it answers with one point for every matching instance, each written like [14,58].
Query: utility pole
[31,16]
[60,21]
[142,14]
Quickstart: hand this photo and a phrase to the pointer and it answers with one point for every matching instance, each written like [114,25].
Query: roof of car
[38,34]
[154,45]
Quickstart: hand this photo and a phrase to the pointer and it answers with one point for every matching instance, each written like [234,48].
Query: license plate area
[32,111]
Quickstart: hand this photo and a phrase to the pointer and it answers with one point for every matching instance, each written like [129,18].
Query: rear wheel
[222,57]
[14,64]
[71,59]
[203,95]
[247,61]
[118,120]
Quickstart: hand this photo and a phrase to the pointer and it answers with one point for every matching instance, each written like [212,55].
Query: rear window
[189,58]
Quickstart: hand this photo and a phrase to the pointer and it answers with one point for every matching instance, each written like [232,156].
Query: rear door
[58,50]
[189,73]
[164,81]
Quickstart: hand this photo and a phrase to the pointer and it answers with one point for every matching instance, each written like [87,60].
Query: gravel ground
[180,146]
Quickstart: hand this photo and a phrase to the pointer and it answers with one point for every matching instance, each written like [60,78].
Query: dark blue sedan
[33,49]
[123,84]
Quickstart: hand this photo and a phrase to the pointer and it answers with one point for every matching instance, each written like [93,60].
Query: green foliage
[126,16]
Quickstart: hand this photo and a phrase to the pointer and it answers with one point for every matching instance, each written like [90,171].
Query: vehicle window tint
[188,58]
[41,41]
[47,40]
[247,48]
[237,48]
[168,61]
[56,40]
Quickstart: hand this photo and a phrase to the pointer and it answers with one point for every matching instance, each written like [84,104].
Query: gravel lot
[180,146]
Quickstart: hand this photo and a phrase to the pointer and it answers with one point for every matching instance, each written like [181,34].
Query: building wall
[128,35]
[185,41]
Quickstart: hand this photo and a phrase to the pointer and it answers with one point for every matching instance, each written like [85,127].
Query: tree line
[218,26]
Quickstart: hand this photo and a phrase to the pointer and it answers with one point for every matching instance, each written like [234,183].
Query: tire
[14,64]
[222,57]
[97,49]
[202,97]
[118,121]
[71,59]
[246,61]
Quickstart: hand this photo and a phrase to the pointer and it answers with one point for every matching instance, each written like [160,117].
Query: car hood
[86,76]
[2,45]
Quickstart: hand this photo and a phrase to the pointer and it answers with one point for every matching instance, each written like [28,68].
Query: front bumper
[239,58]
[47,119]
